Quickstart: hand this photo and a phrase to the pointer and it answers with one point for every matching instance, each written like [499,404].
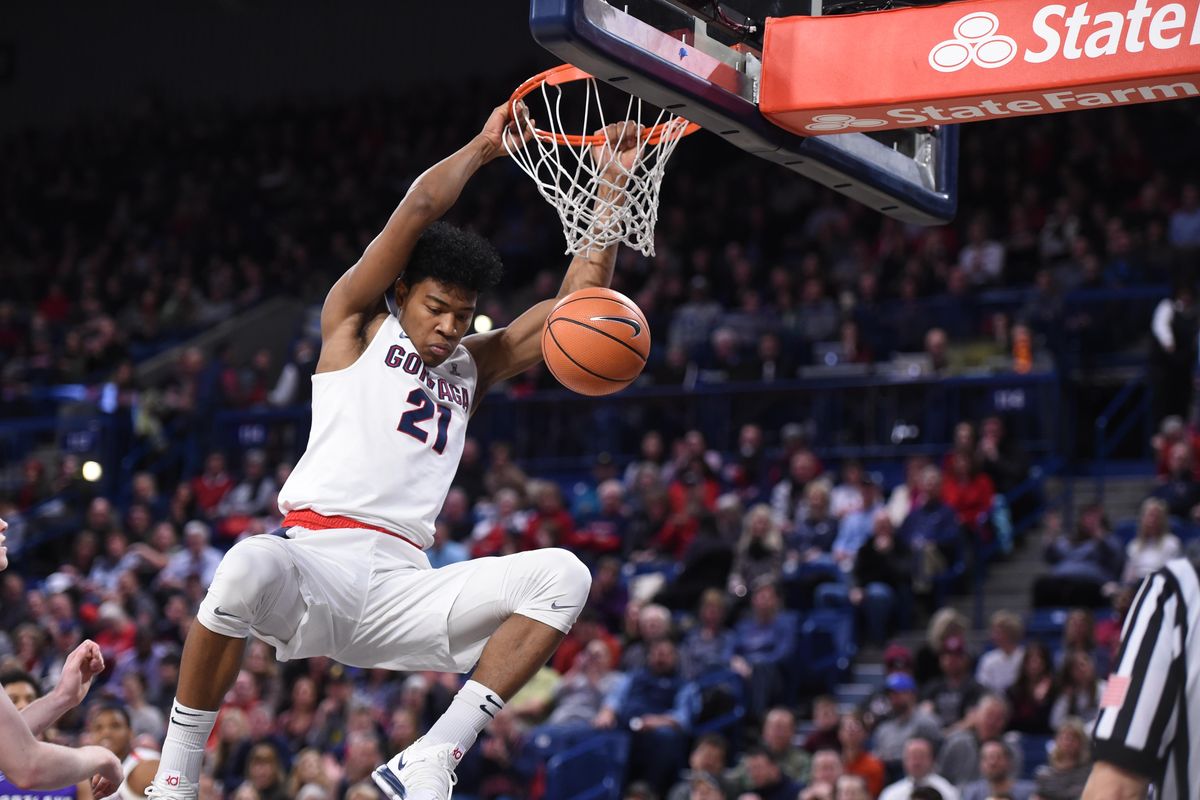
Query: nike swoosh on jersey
[556,607]
[221,613]
[633,323]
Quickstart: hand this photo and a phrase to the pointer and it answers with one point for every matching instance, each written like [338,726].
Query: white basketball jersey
[387,435]
[131,761]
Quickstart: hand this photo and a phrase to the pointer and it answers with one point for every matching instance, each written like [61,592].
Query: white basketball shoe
[172,786]
[420,772]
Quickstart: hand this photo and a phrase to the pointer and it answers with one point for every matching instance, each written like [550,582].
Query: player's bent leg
[254,587]
[521,606]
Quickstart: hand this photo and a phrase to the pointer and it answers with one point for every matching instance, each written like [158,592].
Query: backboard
[702,61]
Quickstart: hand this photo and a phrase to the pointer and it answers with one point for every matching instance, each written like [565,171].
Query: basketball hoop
[597,209]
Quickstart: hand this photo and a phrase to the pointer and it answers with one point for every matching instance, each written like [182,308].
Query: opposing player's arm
[360,288]
[509,351]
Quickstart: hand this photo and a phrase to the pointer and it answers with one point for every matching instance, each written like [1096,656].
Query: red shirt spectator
[968,491]
[211,486]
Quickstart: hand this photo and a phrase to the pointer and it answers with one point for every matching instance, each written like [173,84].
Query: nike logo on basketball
[633,323]
[556,607]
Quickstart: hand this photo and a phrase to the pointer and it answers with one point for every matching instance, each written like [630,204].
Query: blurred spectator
[1184,229]
[1064,777]
[932,531]
[907,722]
[653,625]
[1173,353]
[918,772]
[578,697]
[945,623]
[265,772]
[1172,431]
[982,258]
[765,777]
[788,496]
[1034,692]
[816,527]
[763,644]
[293,387]
[252,496]
[969,491]
[908,494]
[1001,458]
[654,703]
[198,559]
[309,772]
[852,787]
[502,472]
[1153,546]
[609,594]
[855,527]
[706,764]
[211,486]
[847,496]
[1079,691]
[825,720]
[603,532]
[445,550]
[587,628]
[997,775]
[708,646]
[959,758]
[759,554]
[1081,565]
[999,667]
[362,755]
[1179,489]
[551,524]
[826,772]
[950,696]
[882,586]
[856,758]
[776,739]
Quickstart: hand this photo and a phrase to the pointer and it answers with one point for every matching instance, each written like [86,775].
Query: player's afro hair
[451,255]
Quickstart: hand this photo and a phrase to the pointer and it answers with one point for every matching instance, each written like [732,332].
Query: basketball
[596,341]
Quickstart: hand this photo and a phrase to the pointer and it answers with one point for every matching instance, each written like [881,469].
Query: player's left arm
[509,351]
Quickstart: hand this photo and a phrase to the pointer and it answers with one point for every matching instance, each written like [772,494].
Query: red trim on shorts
[307,518]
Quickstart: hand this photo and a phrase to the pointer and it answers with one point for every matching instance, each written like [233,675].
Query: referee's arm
[1136,729]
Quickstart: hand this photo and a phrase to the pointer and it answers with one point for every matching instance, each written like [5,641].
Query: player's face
[20,693]
[435,316]
[110,731]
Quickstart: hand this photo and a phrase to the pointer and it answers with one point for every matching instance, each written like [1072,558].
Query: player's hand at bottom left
[109,776]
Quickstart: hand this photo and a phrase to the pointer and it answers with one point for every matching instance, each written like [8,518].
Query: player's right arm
[356,295]
[36,765]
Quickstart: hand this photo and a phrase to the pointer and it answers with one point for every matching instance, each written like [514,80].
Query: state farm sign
[975,60]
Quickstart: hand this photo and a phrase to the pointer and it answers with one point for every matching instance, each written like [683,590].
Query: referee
[1148,731]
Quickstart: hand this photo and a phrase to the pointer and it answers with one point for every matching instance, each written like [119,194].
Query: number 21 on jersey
[422,411]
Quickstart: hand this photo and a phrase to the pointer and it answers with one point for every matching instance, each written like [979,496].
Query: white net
[599,199]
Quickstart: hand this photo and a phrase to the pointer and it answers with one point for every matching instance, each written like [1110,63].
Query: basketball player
[110,727]
[395,384]
[28,763]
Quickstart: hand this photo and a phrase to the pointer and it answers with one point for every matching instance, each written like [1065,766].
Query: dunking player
[395,384]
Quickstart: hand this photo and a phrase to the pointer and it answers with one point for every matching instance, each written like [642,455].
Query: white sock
[183,750]
[473,708]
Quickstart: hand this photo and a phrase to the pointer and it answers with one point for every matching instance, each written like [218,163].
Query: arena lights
[91,471]
[483,323]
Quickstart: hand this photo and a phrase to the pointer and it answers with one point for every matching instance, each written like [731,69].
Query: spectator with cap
[878,706]
[949,696]
[907,722]
[197,559]
[958,760]
[918,772]
[997,775]
[998,668]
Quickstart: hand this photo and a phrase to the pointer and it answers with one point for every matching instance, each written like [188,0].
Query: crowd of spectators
[191,216]
[703,563]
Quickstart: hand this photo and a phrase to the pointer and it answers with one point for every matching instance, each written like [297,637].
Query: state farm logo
[975,42]
[826,123]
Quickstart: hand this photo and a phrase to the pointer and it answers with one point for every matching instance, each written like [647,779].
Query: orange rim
[556,76]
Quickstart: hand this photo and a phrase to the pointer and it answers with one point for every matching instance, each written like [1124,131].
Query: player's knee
[570,576]
[250,572]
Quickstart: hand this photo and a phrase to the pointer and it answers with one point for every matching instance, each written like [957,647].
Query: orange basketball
[596,341]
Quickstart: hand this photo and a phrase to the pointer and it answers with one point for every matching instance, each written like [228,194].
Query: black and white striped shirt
[1149,722]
